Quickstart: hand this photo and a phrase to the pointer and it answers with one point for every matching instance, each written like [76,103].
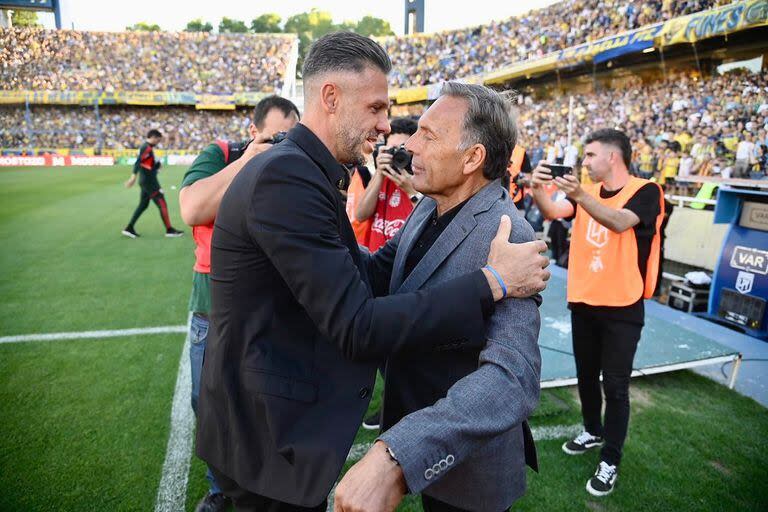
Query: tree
[232,26]
[315,22]
[371,26]
[267,23]
[198,26]
[21,18]
[144,27]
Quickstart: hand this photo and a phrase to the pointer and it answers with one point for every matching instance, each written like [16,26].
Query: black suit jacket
[296,334]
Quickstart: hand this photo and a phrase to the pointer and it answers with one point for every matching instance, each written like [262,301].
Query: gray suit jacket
[468,448]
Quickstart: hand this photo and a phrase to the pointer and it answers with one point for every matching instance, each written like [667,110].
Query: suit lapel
[455,233]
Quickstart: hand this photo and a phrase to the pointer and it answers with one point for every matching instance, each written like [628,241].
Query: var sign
[750,260]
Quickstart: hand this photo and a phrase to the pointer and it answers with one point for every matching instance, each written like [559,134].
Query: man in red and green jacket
[202,188]
[146,168]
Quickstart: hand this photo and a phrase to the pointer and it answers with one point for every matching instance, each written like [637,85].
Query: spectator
[71,60]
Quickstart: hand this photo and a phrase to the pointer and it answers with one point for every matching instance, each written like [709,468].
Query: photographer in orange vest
[613,266]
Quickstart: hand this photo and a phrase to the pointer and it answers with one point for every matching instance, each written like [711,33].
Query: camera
[278,138]
[401,158]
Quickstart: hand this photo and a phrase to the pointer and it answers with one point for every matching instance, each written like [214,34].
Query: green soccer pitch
[84,423]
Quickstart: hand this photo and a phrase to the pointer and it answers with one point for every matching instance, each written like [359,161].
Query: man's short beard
[350,144]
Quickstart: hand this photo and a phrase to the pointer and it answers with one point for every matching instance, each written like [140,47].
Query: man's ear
[474,158]
[329,97]
[253,132]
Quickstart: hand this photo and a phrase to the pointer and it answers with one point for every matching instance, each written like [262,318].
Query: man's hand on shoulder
[521,267]
[375,484]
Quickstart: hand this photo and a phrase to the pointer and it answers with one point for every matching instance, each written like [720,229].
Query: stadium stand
[423,59]
[38,59]
[117,127]
[707,118]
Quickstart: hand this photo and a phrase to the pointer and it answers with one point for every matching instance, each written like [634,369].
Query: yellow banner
[214,102]
[12,97]
[152,98]
[145,98]
[525,68]
[715,22]
[411,95]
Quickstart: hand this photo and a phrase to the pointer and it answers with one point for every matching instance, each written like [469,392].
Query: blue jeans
[198,335]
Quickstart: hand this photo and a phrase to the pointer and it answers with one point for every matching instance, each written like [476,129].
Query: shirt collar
[337,174]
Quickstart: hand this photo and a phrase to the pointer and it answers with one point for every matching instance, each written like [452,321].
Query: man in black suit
[296,334]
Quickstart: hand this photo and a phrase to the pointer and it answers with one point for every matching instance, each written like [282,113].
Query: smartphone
[558,170]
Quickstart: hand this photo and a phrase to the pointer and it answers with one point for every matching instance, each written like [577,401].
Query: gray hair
[344,51]
[491,120]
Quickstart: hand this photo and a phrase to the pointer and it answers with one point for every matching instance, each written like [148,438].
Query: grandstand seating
[38,59]
[423,59]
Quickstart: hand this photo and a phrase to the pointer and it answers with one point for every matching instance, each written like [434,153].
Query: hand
[522,266]
[569,184]
[375,484]
[129,183]
[254,148]
[402,179]
[382,159]
[541,176]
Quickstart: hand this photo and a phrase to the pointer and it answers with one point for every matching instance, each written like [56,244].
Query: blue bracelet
[498,278]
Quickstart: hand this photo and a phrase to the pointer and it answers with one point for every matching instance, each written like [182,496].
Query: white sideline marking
[539,434]
[60,336]
[172,491]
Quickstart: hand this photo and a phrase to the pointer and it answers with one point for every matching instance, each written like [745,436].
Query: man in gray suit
[455,419]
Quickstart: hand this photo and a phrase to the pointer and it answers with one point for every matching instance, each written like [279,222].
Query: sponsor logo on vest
[387,228]
[597,234]
[744,282]
[394,201]
[597,264]
[750,260]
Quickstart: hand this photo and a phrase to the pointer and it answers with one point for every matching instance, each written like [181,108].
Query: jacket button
[364,392]
[428,474]
[450,459]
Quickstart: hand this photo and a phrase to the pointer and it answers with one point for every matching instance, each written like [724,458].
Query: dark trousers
[246,501]
[604,345]
[159,199]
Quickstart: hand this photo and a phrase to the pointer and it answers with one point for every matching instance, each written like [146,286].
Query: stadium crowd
[432,58]
[117,127]
[38,59]
[679,126]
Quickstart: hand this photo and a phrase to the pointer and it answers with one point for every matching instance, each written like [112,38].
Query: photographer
[390,196]
[203,187]
[613,264]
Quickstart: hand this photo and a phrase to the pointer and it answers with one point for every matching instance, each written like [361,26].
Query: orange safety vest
[355,194]
[602,265]
[514,167]
[202,234]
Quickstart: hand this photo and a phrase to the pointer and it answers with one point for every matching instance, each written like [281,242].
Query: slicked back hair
[344,51]
[490,120]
